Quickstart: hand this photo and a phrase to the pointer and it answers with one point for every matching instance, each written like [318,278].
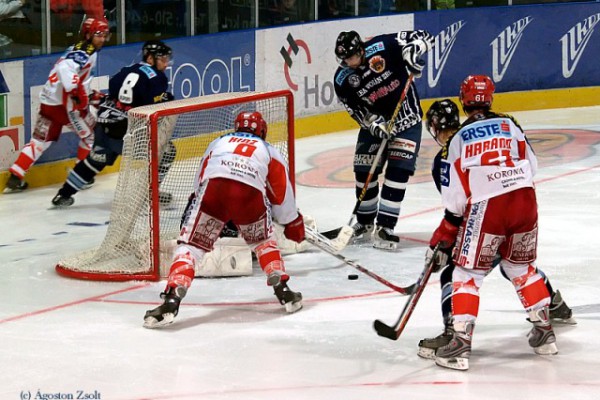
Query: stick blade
[332,234]
[384,330]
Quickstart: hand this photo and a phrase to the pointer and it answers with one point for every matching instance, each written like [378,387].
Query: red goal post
[142,231]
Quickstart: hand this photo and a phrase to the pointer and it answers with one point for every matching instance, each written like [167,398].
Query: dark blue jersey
[133,86]
[376,86]
[138,85]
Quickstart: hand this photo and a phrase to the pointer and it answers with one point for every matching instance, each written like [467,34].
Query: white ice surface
[231,339]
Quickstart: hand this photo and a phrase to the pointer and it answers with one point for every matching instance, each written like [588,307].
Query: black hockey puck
[353,277]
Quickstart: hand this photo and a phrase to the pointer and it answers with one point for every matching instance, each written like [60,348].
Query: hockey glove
[79,97]
[96,98]
[412,52]
[440,261]
[445,235]
[378,127]
[295,229]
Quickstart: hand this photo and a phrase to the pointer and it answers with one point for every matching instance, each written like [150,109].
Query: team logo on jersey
[574,43]
[354,80]
[505,45]
[437,57]
[445,173]
[377,64]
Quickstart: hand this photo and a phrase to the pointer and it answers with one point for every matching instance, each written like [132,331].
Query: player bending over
[369,83]
[245,181]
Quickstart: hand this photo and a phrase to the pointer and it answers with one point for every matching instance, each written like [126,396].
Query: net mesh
[143,228]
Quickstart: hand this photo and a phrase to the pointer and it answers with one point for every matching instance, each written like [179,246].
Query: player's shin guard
[29,155]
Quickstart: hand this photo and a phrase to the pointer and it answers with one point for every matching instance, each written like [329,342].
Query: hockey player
[64,101]
[369,83]
[136,85]
[488,192]
[245,181]
[442,121]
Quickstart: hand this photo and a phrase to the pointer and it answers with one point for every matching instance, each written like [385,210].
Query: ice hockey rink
[62,337]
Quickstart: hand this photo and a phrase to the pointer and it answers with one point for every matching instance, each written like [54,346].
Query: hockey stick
[393,332]
[329,246]
[335,232]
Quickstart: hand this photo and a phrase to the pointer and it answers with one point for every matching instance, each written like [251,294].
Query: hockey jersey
[74,66]
[487,157]
[376,86]
[133,86]
[248,159]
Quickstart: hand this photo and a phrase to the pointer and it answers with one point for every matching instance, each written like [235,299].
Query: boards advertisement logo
[10,136]
[294,47]
[574,43]
[437,57]
[505,45]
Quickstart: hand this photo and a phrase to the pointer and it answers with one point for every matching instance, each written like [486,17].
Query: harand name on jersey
[480,131]
[477,148]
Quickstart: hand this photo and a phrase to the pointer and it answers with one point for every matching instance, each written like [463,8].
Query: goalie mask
[477,91]
[348,44]
[251,122]
[442,115]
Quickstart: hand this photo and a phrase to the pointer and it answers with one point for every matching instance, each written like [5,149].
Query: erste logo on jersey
[374,48]
[480,130]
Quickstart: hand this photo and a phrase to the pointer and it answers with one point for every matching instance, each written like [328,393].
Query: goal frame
[154,220]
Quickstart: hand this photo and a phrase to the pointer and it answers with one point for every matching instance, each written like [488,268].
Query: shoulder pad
[342,74]
[148,70]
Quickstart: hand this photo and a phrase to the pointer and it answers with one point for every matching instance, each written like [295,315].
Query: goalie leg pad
[229,257]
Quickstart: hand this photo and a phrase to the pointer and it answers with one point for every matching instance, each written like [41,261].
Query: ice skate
[60,201]
[428,346]
[165,314]
[541,337]
[455,355]
[291,300]
[560,312]
[385,239]
[362,233]
[15,185]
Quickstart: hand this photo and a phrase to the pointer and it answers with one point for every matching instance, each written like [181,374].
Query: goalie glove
[411,53]
[295,229]
[378,127]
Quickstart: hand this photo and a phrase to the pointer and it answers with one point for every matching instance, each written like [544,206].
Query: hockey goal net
[150,198]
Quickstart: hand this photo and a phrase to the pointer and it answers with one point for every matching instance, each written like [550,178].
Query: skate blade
[426,353]
[457,363]
[8,190]
[564,321]
[389,246]
[547,349]
[153,323]
[292,307]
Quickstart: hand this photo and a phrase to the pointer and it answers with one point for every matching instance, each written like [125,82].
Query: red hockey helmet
[95,26]
[477,91]
[251,122]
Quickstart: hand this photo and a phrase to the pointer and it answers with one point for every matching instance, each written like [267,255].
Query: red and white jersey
[74,66]
[487,157]
[247,158]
